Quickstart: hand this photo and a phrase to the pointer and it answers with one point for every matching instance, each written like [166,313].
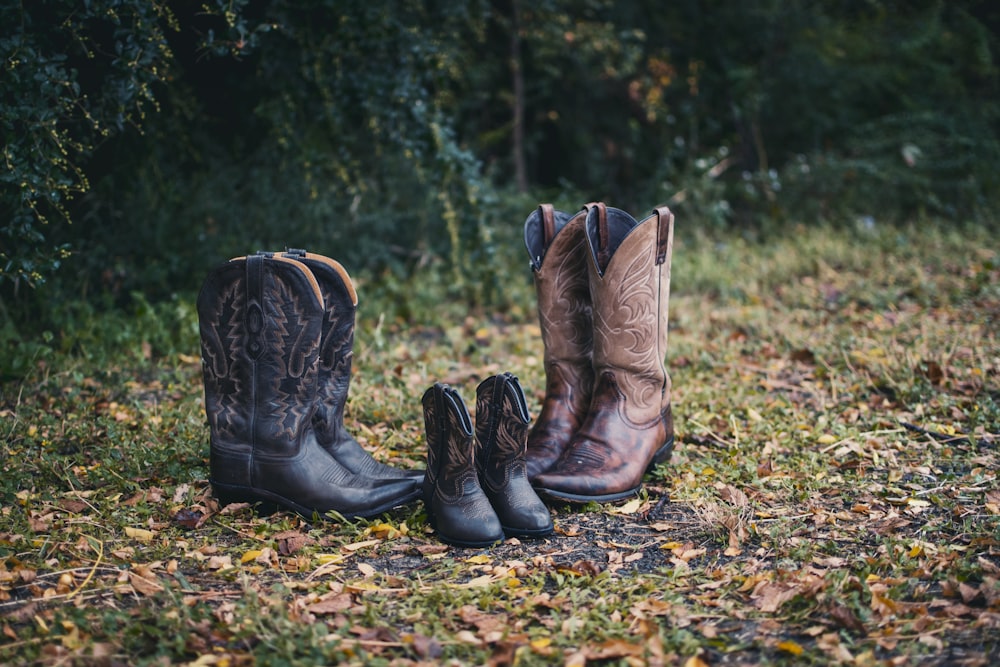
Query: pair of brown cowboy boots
[277,335]
[476,486]
[603,284]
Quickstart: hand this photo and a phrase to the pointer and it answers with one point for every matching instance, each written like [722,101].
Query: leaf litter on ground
[833,496]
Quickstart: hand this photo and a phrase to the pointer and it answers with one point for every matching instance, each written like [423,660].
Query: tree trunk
[518,111]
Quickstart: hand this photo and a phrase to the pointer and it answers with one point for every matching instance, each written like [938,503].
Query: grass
[833,497]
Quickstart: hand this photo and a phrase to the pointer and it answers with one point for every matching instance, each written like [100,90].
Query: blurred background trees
[144,141]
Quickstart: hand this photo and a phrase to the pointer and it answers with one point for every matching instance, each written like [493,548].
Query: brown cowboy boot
[336,355]
[261,321]
[629,426]
[457,508]
[501,433]
[557,245]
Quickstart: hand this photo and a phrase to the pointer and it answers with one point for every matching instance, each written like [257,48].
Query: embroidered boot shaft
[501,433]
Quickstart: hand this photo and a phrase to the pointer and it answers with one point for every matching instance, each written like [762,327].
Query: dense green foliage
[173,135]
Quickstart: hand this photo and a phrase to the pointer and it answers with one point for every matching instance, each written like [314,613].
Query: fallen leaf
[333,604]
[145,583]
[479,559]
[631,507]
[789,646]
[189,518]
[140,534]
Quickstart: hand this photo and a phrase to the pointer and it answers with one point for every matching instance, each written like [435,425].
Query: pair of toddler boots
[476,486]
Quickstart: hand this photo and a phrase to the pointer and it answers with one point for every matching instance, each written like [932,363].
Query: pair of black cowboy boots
[277,332]
[476,487]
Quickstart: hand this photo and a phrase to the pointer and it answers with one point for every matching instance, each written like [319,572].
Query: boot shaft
[556,242]
[502,422]
[629,276]
[260,324]
[451,467]
[336,344]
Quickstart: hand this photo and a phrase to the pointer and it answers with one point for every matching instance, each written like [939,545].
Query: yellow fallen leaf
[480,559]
[140,534]
[788,646]
[251,555]
[754,415]
[325,559]
[826,439]
[383,530]
[541,643]
[361,587]
[631,507]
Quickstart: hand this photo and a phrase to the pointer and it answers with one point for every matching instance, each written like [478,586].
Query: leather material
[458,509]
[502,422]
[260,320]
[335,361]
[557,244]
[629,424]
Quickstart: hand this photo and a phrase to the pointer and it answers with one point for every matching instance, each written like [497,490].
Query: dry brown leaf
[770,595]
[331,604]
[144,581]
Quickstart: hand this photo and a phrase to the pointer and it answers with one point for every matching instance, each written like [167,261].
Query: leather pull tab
[254,308]
[603,237]
[548,213]
[664,233]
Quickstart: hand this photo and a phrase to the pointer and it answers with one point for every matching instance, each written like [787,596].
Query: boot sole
[521,532]
[268,502]
[662,455]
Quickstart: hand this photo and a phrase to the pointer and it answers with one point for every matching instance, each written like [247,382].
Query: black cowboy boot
[456,505]
[501,431]
[335,357]
[261,321]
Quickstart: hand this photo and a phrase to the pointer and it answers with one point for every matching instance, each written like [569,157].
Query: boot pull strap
[254,310]
[603,242]
[547,212]
[664,233]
